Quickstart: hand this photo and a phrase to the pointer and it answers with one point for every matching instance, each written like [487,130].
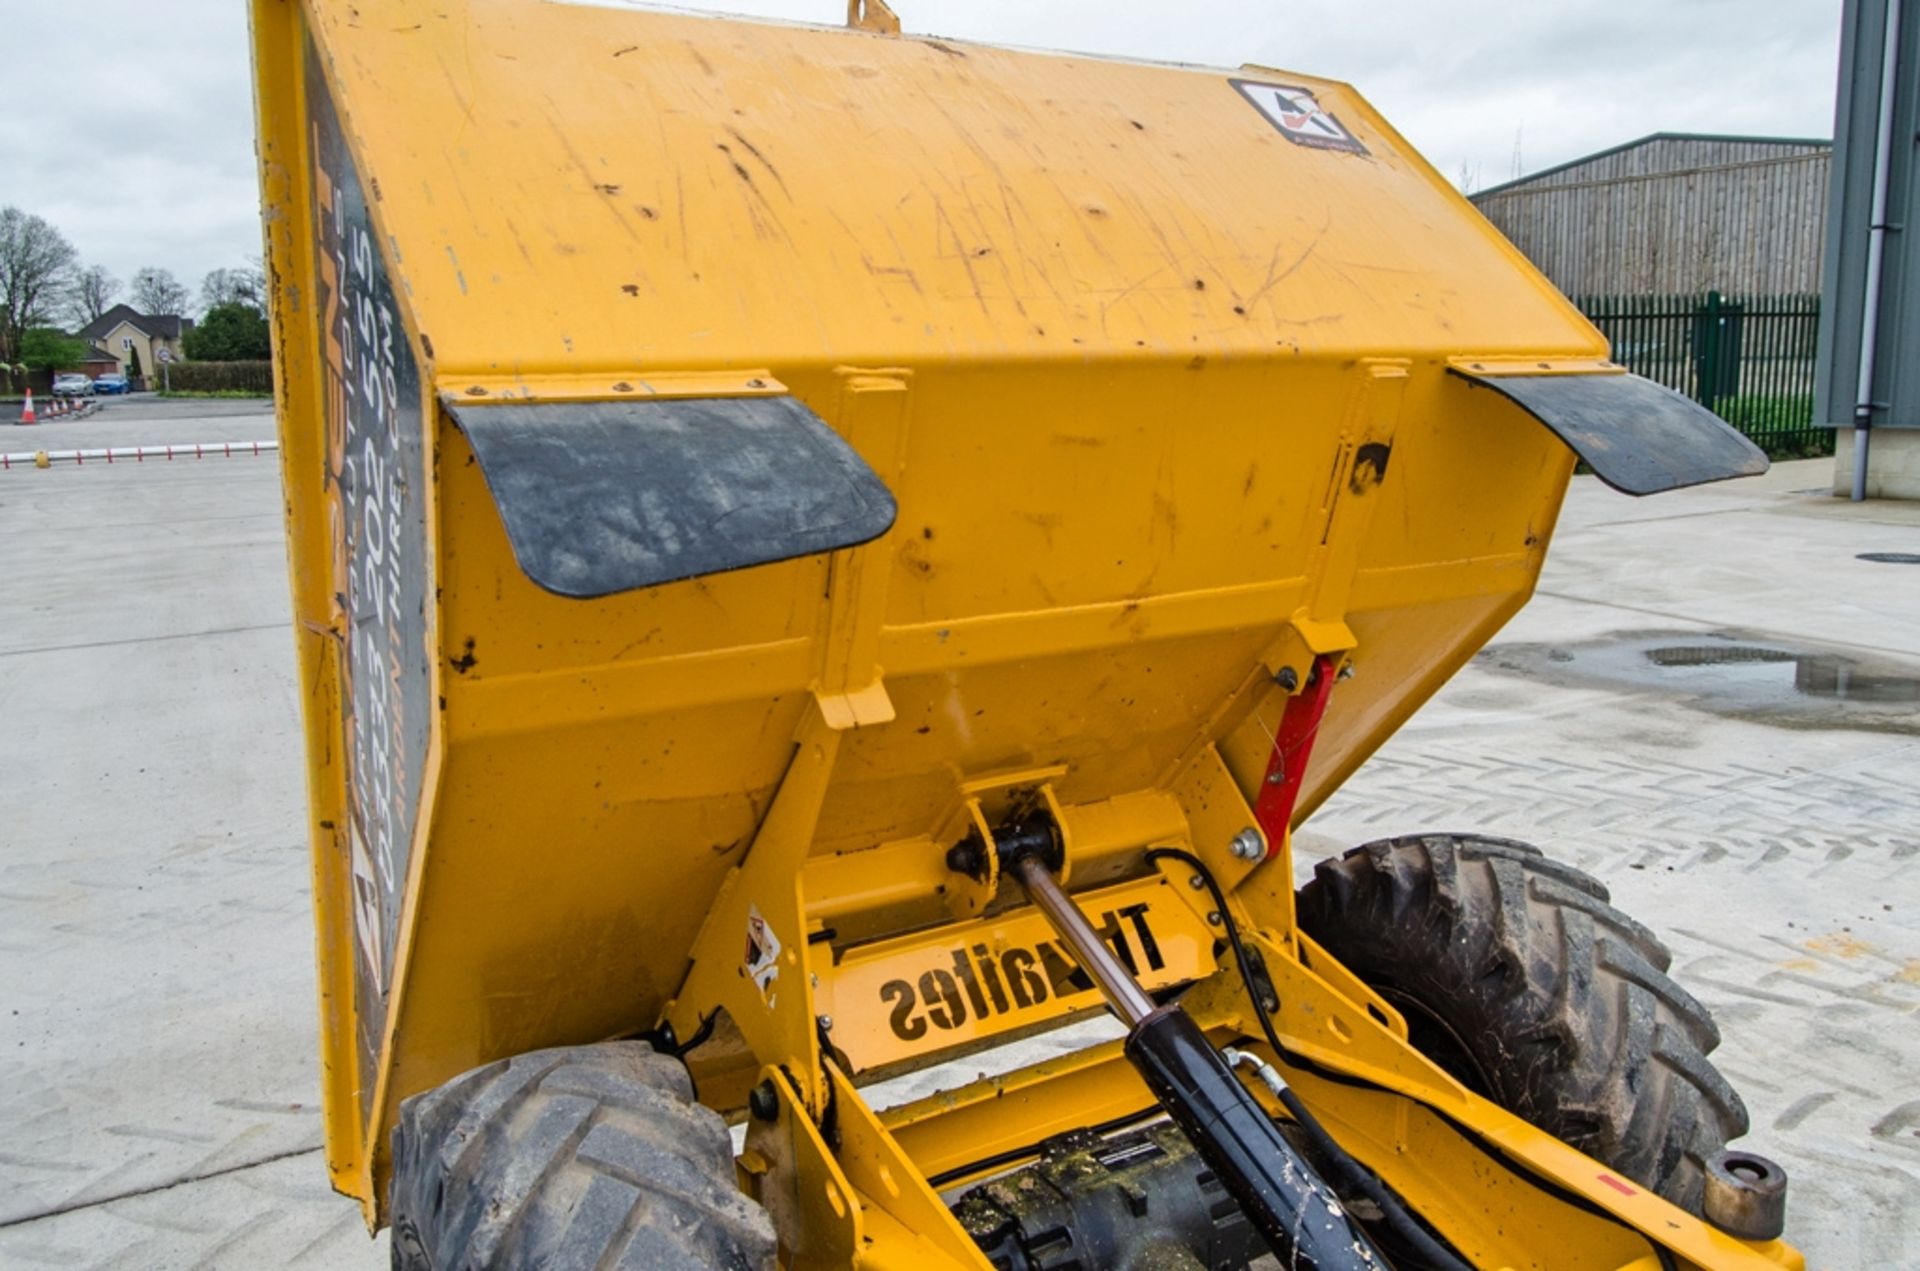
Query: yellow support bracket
[750,956]
[849,685]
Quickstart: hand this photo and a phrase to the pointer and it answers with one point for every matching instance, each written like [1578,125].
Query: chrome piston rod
[1303,1222]
[1123,993]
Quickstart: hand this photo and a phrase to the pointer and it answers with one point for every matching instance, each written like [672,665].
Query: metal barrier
[136,454]
[1749,359]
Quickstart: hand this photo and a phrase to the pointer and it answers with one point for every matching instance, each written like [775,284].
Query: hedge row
[218,377]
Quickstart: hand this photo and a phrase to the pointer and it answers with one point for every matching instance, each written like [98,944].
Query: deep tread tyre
[1518,976]
[582,1157]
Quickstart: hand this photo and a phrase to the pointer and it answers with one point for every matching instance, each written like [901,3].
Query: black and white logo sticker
[1300,118]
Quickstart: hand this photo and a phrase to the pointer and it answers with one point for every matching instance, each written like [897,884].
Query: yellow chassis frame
[1503,1192]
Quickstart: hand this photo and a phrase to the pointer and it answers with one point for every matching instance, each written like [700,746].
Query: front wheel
[1518,977]
[584,1156]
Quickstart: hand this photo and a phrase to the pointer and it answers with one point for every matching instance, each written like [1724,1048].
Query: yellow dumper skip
[729,464]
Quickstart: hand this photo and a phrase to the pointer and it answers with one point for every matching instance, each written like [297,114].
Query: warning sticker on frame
[1300,117]
[763,953]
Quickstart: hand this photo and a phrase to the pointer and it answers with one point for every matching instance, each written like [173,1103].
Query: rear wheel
[1518,977]
[587,1157]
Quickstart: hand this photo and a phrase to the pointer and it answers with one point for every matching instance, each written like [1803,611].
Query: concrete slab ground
[158,1079]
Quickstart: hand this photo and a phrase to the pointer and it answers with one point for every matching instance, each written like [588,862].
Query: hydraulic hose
[1355,1176]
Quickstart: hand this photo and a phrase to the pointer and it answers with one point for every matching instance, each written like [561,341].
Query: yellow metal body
[1130,357]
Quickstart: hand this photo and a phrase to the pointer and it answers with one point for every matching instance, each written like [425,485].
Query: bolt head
[825,1022]
[1213,918]
[1287,678]
[1195,881]
[764,1102]
[1346,672]
[1247,844]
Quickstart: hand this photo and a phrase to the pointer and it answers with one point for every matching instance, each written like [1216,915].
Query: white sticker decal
[763,953]
[1299,116]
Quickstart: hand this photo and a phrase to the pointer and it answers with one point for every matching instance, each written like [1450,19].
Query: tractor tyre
[1519,978]
[585,1156]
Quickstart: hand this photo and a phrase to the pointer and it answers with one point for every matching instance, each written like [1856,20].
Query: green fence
[1747,358]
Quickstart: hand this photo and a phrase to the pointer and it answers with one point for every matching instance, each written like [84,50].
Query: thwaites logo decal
[375,482]
[991,983]
[915,994]
[1299,116]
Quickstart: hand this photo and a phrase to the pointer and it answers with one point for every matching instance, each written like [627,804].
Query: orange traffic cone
[26,412]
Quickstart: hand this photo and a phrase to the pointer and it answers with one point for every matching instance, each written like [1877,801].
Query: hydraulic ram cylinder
[1302,1220]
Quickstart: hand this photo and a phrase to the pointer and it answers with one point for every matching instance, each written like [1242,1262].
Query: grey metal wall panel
[1663,153]
[1674,215]
[1897,348]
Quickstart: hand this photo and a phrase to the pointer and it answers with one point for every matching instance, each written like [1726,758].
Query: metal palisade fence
[1750,359]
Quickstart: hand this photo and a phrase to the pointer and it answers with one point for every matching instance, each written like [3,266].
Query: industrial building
[1674,213]
[1869,379]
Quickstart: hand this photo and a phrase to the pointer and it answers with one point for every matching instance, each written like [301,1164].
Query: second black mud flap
[1638,436]
[610,496]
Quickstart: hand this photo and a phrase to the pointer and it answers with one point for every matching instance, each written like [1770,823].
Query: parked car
[72,384]
[111,383]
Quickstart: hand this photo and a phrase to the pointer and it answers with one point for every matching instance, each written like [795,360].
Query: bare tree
[36,270]
[93,294]
[245,286]
[157,291]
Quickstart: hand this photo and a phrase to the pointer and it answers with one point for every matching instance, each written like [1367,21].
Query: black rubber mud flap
[1638,436]
[605,497]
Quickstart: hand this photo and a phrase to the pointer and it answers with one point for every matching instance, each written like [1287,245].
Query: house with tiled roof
[137,340]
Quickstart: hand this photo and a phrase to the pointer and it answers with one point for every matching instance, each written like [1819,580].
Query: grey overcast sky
[132,130]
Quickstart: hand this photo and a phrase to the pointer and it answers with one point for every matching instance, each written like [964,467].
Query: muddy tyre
[1517,975]
[588,1156]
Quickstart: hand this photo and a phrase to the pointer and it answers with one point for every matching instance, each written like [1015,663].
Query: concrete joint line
[76,1206]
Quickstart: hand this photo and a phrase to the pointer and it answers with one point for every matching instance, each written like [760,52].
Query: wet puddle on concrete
[1726,673]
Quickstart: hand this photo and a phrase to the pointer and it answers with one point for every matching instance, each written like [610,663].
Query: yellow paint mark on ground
[1840,944]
